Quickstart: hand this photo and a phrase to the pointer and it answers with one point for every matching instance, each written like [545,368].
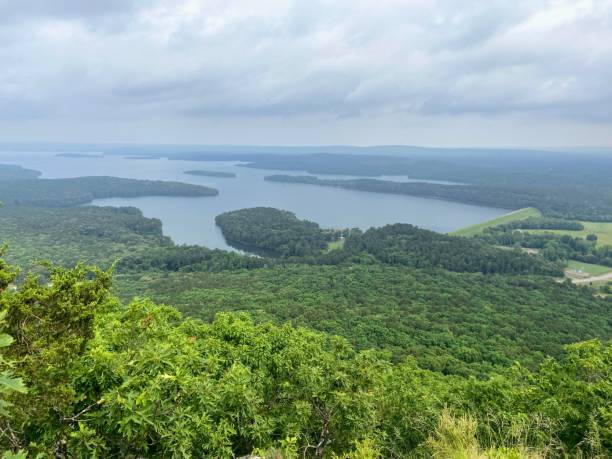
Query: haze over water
[191,220]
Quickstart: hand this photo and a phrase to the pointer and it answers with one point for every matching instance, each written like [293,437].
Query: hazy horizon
[55,146]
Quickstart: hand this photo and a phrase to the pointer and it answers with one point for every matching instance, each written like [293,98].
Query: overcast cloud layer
[436,72]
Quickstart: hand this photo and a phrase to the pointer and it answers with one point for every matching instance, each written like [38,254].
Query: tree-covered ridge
[136,380]
[404,244]
[450,322]
[559,200]
[82,190]
[273,232]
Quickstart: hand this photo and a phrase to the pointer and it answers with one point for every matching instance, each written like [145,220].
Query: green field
[603,230]
[590,269]
[520,214]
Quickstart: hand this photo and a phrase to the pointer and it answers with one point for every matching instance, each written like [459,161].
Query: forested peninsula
[561,202]
[273,232]
[82,190]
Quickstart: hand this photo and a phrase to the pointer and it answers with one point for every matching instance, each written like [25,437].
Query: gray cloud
[28,10]
[187,59]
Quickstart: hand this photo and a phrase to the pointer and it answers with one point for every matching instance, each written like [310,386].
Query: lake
[191,220]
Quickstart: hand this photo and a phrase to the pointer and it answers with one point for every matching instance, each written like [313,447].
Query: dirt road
[588,280]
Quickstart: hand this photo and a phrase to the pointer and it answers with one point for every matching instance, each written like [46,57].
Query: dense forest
[187,258]
[450,322]
[105,235]
[85,233]
[273,232]
[91,377]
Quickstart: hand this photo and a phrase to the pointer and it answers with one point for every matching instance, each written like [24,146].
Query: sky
[283,72]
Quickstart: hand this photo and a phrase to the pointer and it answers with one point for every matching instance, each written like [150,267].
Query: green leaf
[10,383]
[5,340]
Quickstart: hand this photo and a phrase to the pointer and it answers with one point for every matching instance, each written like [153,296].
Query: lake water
[191,220]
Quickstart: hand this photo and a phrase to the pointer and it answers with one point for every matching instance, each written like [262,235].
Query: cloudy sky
[426,72]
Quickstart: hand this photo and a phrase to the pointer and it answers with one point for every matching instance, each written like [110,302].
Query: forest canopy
[451,322]
[67,235]
[137,380]
[407,245]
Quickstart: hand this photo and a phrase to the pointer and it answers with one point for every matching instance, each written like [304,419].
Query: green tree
[51,323]
[9,384]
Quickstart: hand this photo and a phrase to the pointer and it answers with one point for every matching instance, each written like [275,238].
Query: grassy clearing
[520,214]
[334,245]
[587,268]
[603,230]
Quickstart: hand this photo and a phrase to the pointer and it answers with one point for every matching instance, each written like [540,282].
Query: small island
[142,157]
[79,155]
[211,173]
